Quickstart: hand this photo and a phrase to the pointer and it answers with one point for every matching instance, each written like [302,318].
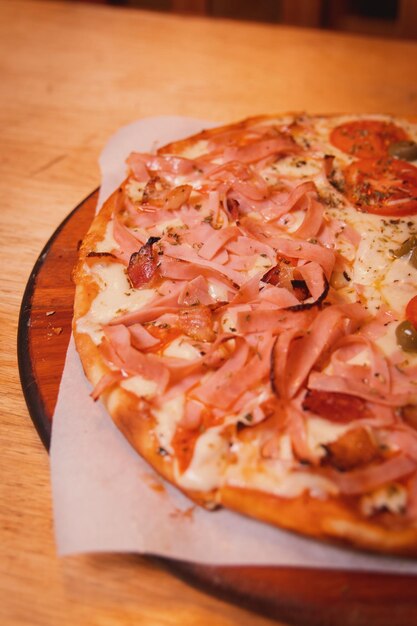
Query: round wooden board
[309,597]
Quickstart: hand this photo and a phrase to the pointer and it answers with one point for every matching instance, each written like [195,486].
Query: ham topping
[246,248]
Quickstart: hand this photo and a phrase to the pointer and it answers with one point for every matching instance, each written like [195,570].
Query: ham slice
[128,243]
[308,252]
[134,362]
[312,222]
[169,164]
[304,353]
[327,382]
[141,338]
[195,292]
[364,480]
[271,320]
[257,150]
[216,241]
[185,253]
[316,283]
[107,381]
[280,297]
[223,390]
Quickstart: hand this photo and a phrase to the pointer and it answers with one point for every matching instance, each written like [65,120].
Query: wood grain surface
[71,74]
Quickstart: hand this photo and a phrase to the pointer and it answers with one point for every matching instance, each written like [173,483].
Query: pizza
[246,308]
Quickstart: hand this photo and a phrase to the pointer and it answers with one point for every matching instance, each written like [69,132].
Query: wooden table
[71,75]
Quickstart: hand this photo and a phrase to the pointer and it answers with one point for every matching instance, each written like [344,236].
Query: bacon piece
[196,322]
[336,407]
[353,449]
[142,266]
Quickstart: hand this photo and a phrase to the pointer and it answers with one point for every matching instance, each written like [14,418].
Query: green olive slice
[406,336]
[406,150]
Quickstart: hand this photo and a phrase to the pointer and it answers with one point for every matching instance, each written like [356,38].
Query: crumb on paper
[154,483]
[48,313]
[184,513]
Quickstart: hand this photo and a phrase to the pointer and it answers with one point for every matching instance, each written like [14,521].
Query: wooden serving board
[309,597]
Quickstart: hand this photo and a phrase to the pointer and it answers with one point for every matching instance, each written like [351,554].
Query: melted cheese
[115,297]
[208,464]
[108,243]
[274,476]
[135,189]
[320,432]
[167,416]
[140,386]
[182,349]
[391,498]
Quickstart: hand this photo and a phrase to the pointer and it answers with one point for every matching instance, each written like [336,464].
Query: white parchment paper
[107,499]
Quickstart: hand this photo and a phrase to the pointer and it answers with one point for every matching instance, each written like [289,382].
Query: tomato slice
[366,139]
[411,311]
[383,186]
